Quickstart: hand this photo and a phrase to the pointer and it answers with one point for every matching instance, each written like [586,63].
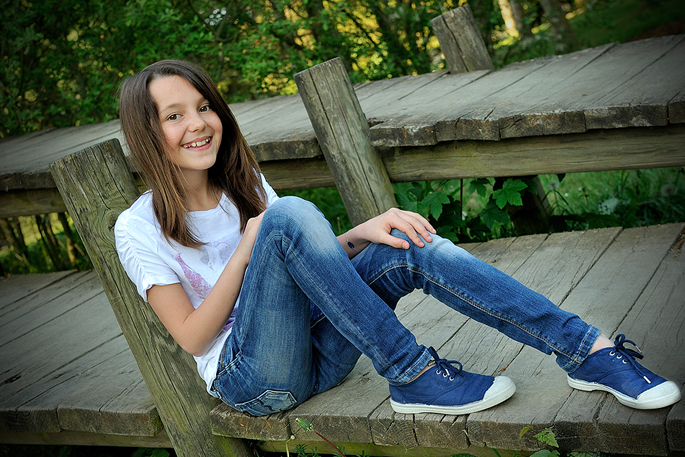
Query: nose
[196,122]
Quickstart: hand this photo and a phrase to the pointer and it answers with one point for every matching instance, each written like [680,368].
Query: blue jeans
[307,312]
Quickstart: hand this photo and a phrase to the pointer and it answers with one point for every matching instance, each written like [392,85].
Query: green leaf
[479,185]
[547,437]
[543,453]
[510,193]
[434,202]
[525,430]
[492,216]
[407,201]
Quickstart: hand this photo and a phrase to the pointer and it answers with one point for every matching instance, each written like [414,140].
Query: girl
[275,308]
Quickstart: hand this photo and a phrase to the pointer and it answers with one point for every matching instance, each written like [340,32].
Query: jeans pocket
[269,402]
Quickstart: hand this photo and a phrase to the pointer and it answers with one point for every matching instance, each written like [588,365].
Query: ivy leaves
[443,203]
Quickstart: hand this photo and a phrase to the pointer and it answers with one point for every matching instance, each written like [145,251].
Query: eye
[205,108]
[172,117]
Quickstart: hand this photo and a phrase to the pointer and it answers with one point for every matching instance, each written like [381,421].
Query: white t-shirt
[149,259]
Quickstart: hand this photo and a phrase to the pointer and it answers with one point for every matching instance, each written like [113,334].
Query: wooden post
[96,185]
[343,133]
[461,42]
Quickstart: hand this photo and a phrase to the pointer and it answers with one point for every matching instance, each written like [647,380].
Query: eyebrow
[173,106]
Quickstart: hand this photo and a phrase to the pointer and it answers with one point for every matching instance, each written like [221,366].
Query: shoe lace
[628,355]
[445,365]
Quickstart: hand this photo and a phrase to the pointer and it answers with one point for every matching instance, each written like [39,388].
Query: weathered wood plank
[298,174]
[536,105]
[30,202]
[378,105]
[343,133]
[602,298]
[17,287]
[109,399]
[676,108]
[99,392]
[409,117]
[450,108]
[30,358]
[642,100]
[598,150]
[17,416]
[48,148]
[653,323]
[388,451]
[161,440]
[460,41]
[46,304]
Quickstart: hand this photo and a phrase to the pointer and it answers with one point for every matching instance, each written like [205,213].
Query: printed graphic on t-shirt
[213,256]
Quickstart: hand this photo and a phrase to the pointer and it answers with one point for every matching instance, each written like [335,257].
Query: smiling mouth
[198,144]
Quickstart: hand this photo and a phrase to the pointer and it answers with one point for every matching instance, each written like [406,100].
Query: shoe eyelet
[451,379]
[625,361]
[444,375]
[619,357]
[612,353]
[437,372]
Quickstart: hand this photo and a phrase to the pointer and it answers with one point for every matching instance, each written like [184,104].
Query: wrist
[349,243]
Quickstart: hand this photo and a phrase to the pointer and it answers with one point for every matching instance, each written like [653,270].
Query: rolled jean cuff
[421,363]
[583,351]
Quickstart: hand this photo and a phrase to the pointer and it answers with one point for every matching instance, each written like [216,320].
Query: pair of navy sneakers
[445,388]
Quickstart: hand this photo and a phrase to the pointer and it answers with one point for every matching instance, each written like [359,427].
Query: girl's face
[192,129]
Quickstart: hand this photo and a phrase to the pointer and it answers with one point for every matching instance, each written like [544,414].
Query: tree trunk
[563,33]
[507,12]
[69,237]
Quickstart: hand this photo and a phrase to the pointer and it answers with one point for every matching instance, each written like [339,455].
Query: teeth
[199,143]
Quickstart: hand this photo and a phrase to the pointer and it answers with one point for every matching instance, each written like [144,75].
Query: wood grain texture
[614,281]
[343,133]
[599,150]
[461,41]
[18,287]
[97,185]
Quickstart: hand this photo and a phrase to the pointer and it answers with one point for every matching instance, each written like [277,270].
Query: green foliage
[443,203]
[628,198]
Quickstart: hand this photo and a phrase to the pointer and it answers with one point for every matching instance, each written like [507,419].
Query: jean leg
[297,260]
[480,291]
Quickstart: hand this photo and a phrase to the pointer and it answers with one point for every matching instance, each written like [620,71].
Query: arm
[377,230]
[195,329]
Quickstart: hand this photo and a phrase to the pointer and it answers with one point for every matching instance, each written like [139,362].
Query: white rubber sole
[665,394]
[501,390]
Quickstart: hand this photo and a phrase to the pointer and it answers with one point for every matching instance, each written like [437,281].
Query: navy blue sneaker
[446,389]
[616,371]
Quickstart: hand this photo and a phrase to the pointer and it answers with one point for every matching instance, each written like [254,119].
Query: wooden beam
[461,42]
[343,133]
[161,440]
[598,150]
[97,185]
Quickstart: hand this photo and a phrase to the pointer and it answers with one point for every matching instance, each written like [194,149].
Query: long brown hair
[235,172]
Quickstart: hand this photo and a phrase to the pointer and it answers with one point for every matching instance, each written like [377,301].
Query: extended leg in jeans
[269,362]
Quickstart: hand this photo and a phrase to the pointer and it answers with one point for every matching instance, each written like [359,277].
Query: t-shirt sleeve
[137,244]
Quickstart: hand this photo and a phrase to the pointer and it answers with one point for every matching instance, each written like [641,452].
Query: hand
[377,230]
[244,249]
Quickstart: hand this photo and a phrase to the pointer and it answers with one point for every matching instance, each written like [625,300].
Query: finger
[393,241]
[419,226]
[419,223]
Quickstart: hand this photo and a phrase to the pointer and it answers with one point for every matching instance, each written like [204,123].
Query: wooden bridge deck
[66,374]
[610,107]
